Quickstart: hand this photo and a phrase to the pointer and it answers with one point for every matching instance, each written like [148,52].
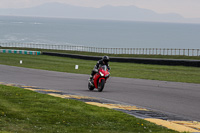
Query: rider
[103,61]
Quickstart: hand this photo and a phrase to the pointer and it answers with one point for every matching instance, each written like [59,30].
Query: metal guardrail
[136,51]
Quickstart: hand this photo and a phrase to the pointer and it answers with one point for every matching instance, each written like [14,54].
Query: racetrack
[181,99]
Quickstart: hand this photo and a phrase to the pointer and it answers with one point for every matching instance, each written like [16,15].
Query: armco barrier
[20,51]
[173,62]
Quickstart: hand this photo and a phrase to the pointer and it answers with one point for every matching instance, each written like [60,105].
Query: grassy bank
[129,70]
[25,111]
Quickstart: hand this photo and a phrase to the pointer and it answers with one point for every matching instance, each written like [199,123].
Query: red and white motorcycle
[99,79]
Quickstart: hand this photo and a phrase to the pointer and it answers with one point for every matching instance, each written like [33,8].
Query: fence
[20,51]
[143,51]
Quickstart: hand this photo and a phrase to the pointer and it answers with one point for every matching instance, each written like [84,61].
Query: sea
[99,33]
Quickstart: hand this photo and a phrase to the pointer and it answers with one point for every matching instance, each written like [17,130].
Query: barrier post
[171,51]
[192,52]
[149,51]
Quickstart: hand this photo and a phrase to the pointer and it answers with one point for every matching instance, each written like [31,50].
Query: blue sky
[186,8]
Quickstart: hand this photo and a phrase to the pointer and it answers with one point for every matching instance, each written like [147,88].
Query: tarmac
[171,104]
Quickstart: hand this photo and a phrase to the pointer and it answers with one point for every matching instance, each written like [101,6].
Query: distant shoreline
[117,20]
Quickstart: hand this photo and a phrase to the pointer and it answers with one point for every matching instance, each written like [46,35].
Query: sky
[186,8]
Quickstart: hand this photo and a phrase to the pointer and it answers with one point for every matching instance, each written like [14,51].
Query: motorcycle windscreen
[104,67]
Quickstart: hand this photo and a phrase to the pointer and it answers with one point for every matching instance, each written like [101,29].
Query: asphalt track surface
[180,99]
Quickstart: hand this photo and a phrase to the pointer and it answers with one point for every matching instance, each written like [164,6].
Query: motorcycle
[99,79]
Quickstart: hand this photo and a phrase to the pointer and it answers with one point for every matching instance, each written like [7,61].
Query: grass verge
[128,70]
[25,111]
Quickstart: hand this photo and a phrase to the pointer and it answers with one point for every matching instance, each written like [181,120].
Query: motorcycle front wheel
[101,85]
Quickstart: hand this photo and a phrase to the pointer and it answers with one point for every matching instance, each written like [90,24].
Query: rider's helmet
[106,59]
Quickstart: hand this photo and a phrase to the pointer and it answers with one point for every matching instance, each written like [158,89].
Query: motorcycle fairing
[95,78]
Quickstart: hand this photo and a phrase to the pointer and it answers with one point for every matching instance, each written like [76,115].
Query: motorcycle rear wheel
[101,85]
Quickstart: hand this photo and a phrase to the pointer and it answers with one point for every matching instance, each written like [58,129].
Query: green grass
[25,111]
[129,70]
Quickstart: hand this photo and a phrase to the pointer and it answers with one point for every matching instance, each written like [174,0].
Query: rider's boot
[90,79]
